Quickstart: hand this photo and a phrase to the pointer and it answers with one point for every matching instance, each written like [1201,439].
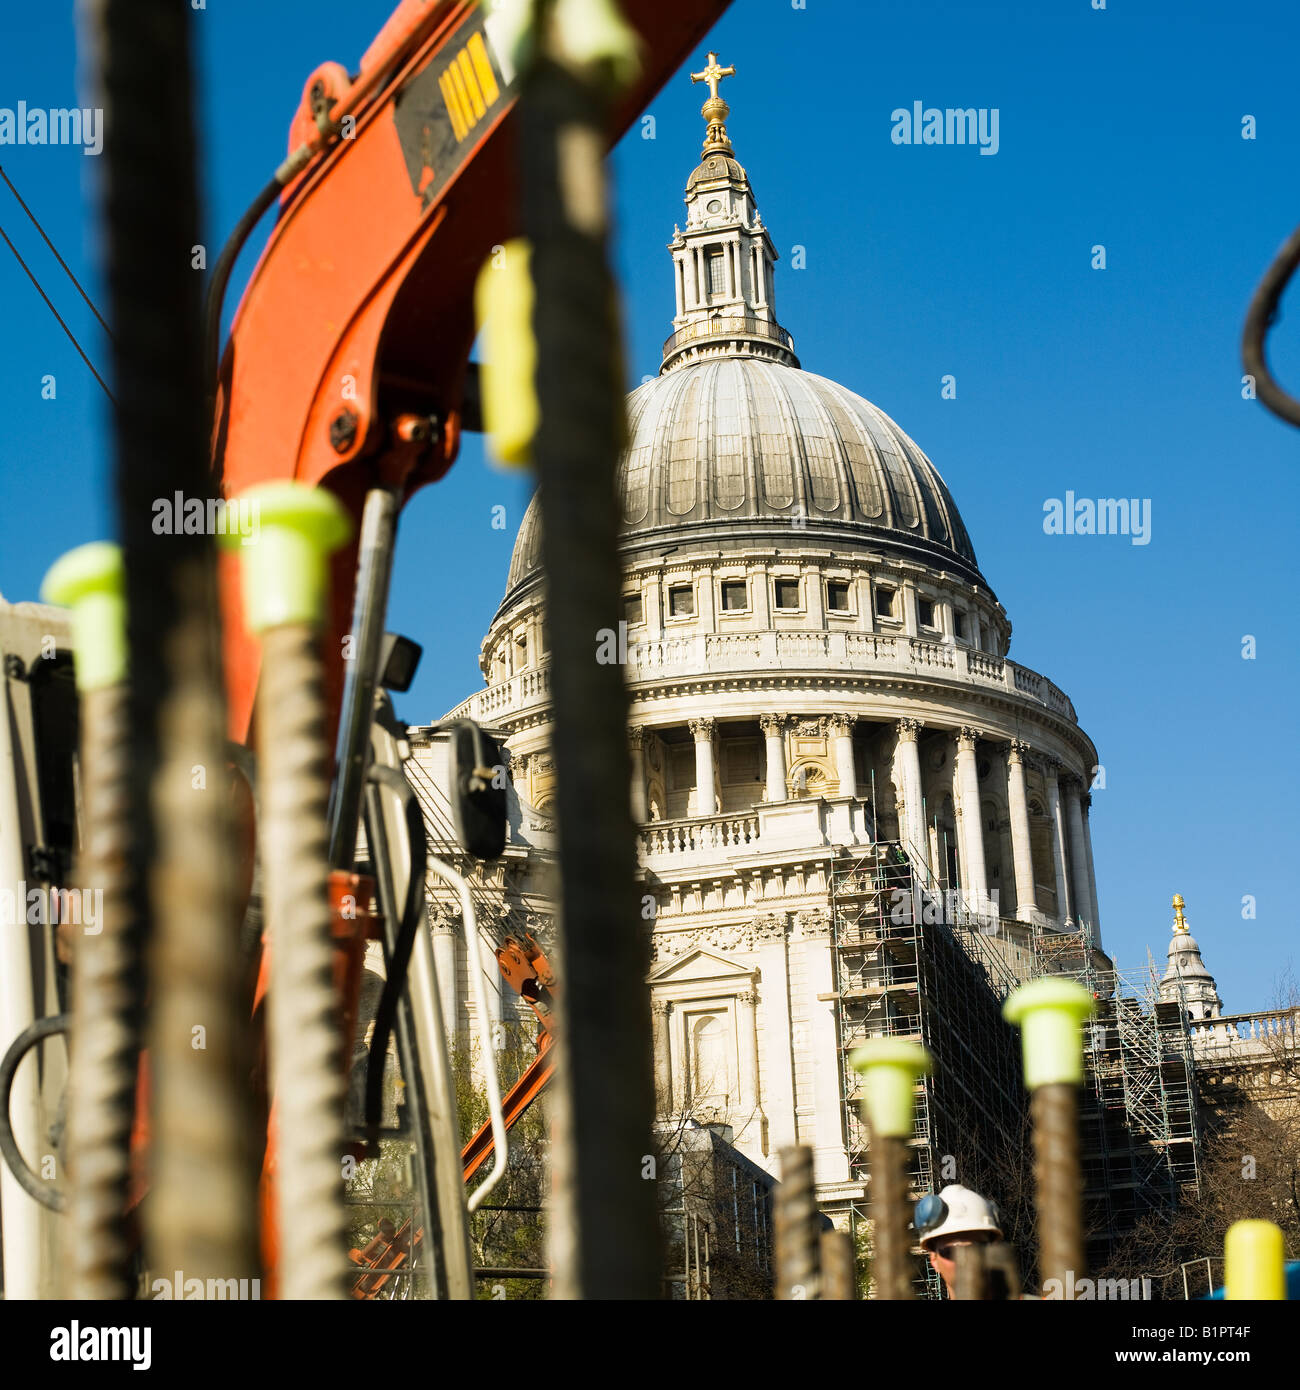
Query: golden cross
[713,74]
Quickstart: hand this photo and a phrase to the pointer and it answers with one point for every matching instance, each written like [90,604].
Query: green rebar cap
[285,560]
[1049,1012]
[1254,1261]
[91,581]
[594,34]
[889,1067]
[503,302]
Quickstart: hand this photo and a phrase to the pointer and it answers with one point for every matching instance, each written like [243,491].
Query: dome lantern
[723,260]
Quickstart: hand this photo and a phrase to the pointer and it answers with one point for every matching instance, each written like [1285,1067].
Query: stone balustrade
[677,838]
[708,654]
[512,696]
[804,823]
[1273,1026]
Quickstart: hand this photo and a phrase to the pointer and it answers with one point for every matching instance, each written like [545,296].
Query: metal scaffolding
[917,964]
[1140,1132]
[925,966]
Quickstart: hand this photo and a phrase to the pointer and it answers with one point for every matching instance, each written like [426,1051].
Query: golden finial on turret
[1180,922]
[715,111]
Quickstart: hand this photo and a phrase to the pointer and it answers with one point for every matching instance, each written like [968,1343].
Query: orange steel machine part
[360,310]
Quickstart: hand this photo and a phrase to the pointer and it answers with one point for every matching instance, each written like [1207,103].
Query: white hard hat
[955,1211]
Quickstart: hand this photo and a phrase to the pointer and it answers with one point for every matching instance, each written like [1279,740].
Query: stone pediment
[700,965]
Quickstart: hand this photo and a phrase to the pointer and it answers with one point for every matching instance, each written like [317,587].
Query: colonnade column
[663,1065]
[840,727]
[640,805]
[972,827]
[1056,818]
[442,927]
[1022,851]
[1078,852]
[747,1027]
[773,726]
[772,933]
[909,756]
[823,1096]
[706,804]
[1086,804]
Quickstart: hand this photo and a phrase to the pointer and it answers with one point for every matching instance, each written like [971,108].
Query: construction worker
[951,1217]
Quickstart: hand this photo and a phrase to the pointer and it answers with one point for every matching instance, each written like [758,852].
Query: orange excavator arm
[348,357]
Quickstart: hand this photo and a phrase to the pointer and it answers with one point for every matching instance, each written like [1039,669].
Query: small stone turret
[1187,980]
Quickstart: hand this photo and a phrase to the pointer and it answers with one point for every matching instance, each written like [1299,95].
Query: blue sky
[1119,127]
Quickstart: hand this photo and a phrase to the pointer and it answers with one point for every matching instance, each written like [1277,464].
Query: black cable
[1260,317]
[37,1190]
[401,944]
[54,251]
[417,1105]
[50,305]
[221,272]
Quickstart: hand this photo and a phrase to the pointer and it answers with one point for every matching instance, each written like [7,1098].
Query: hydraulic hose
[374,574]
[415,1095]
[32,1185]
[400,952]
[221,272]
[1259,319]
[429,1091]
[389,48]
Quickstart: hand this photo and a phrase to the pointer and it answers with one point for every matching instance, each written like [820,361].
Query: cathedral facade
[820,678]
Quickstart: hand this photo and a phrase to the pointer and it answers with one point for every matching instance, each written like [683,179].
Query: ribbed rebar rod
[303,1033]
[200,1217]
[106,1014]
[605,1237]
[889,1209]
[796,1227]
[1054,1109]
[838,1275]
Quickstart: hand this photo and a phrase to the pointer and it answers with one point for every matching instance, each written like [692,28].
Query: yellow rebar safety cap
[91,581]
[285,562]
[1254,1261]
[1049,1012]
[889,1068]
[503,304]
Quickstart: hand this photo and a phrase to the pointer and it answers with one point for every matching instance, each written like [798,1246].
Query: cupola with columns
[724,258]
